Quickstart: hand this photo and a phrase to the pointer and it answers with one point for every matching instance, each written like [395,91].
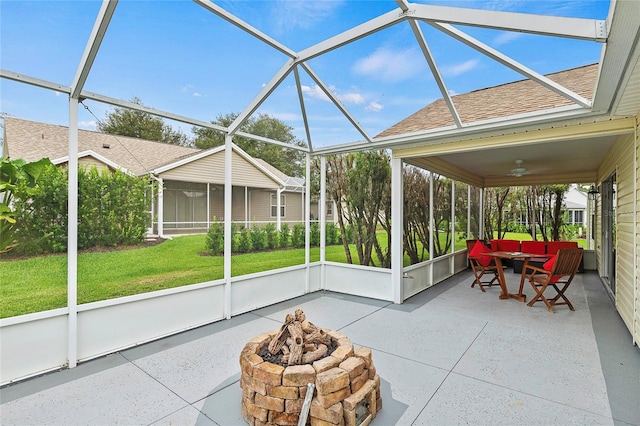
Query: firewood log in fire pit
[299,341]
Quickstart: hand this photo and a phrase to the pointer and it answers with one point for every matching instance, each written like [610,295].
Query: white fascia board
[547,118]
[576,28]
[234,20]
[101,158]
[93,45]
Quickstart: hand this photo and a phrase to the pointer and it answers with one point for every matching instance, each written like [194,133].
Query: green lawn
[40,283]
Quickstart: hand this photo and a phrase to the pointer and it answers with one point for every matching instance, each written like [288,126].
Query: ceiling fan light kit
[518,171]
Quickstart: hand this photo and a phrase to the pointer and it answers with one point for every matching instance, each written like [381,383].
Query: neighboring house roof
[524,96]
[575,198]
[89,153]
[291,183]
[31,141]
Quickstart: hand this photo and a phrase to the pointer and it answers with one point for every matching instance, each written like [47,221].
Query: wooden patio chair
[557,273]
[482,265]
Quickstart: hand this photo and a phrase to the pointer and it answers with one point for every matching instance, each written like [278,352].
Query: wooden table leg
[503,283]
[522,278]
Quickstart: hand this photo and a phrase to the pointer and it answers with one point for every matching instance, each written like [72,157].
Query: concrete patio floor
[449,355]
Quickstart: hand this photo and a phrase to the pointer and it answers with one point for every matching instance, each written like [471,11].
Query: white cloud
[506,37]
[288,15]
[314,92]
[391,65]
[351,98]
[197,95]
[374,106]
[455,70]
[87,125]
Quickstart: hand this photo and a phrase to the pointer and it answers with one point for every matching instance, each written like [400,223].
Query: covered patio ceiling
[561,144]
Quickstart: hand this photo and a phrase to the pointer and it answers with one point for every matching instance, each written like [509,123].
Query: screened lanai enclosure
[461,92]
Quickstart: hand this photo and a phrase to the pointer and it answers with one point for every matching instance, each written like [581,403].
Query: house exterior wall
[636,292]
[211,169]
[621,161]
[88,162]
[261,207]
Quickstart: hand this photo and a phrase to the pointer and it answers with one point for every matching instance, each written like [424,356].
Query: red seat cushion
[554,246]
[533,247]
[477,253]
[508,245]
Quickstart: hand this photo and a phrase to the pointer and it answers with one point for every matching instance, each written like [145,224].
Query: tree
[142,125]
[289,161]
[360,185]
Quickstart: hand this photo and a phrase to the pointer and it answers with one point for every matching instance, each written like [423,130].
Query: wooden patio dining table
[526,257]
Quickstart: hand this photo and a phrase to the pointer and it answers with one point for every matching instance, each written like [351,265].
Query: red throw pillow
[478,250]
[548,265]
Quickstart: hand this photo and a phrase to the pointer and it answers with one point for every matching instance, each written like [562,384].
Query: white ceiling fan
[518,171]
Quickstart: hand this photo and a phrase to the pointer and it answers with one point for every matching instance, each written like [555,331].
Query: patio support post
[307,223]
[208,204]
[160,207]
[228,187]
[246,205]
[468,212]
[322,210]
[481,215]
[72,236]
[397,195]
[431,222]
[453,218]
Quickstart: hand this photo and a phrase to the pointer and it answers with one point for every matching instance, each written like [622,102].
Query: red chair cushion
[548,265]
[477,253]
[533,247]
[554,246]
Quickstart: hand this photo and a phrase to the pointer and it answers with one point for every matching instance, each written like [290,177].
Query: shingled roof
[500,101]
[31,141]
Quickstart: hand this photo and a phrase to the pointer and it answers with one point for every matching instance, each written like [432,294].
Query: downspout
[160,205]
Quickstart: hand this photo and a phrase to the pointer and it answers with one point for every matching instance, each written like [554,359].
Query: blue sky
[178,57]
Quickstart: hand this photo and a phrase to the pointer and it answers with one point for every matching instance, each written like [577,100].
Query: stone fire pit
[277,366]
